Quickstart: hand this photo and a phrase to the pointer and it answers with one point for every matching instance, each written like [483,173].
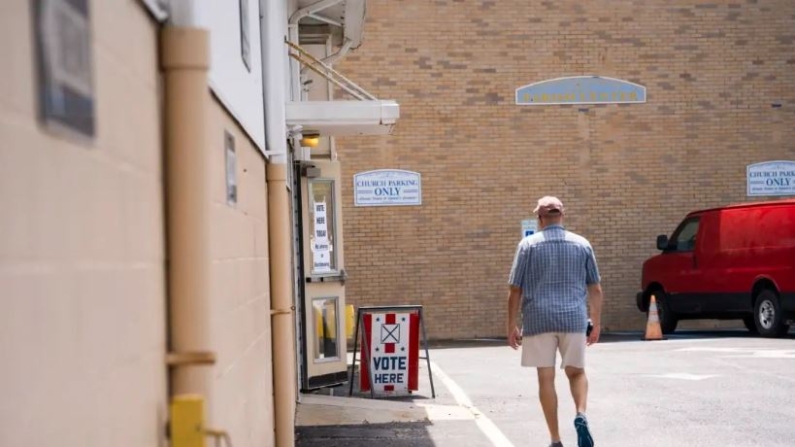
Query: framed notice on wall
[231,169]
[65,65]
[387,187]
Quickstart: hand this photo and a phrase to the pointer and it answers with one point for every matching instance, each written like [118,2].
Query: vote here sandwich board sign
[392,341]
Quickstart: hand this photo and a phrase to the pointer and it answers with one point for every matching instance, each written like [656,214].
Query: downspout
[273,30]
[282,309]
[185,63]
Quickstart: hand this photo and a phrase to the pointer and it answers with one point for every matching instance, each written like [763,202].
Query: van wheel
[750,324]
[668,319]
[768,317]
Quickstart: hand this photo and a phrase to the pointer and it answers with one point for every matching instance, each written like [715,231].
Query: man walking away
[553,274]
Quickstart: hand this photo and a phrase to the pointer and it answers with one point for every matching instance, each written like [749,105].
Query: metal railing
[327,72]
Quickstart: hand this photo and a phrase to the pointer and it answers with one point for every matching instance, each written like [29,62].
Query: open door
[323,307]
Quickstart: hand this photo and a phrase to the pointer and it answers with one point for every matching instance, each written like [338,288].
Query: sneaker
[584,438]
[556,444]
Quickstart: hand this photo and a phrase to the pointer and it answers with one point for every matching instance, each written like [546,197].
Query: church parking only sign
[393,350]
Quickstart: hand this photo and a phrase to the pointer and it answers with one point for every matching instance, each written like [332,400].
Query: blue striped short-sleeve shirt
[553,268]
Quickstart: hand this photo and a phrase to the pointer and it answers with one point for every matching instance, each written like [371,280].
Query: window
[231,170]
[65,68]
[326,328]
[684,238]
[245,46]
[322,238]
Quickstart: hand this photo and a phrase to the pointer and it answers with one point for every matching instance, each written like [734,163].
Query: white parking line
[497,438]
[684,376]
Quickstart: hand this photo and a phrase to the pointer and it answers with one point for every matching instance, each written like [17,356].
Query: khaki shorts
[540,351]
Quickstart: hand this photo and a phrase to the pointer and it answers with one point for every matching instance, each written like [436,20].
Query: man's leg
[540,352]
[578,382]
[549,400]
[572,349]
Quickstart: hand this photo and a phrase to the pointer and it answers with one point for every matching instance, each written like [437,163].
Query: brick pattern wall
[625,172]
[82,245]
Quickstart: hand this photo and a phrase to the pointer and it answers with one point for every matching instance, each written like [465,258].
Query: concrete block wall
[625,172]
[82,247]
[241,324]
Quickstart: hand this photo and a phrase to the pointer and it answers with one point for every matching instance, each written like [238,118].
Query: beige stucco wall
[240,301]
[82,285]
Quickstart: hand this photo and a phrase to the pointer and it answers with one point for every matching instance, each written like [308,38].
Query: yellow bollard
[187,421]
[350,320]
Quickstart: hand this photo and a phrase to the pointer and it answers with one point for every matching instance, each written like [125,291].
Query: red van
[736,262]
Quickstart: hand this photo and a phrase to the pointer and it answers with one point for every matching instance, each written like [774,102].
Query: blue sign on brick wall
[580,90]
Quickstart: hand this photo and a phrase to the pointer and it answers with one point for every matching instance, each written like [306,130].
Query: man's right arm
[516,280]
[514,334]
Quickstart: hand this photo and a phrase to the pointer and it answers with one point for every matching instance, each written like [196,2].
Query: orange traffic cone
[653,329]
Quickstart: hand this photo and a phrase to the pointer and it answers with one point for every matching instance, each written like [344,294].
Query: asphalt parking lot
[708,389]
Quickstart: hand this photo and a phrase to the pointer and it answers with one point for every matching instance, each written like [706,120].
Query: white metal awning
[369,117]
[363,115]
[346,15]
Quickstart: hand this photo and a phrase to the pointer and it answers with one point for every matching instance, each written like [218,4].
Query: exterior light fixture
[310,140]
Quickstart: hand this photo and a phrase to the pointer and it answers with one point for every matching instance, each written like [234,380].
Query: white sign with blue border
[387,187]
[580,90]
[529,227]
[771,178]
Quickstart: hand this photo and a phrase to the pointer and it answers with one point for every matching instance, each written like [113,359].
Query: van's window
[684,239]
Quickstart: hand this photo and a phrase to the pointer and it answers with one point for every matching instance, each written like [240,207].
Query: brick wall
[625,172]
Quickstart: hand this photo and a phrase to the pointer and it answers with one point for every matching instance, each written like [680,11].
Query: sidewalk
[331,420]
[359,421]
[354,422]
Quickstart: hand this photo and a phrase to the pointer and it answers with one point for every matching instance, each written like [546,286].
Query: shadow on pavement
[387,435]
[617,337]
[611,337]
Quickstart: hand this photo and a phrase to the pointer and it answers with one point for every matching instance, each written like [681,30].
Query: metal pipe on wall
[186,62]
[273,32]
[282,309]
